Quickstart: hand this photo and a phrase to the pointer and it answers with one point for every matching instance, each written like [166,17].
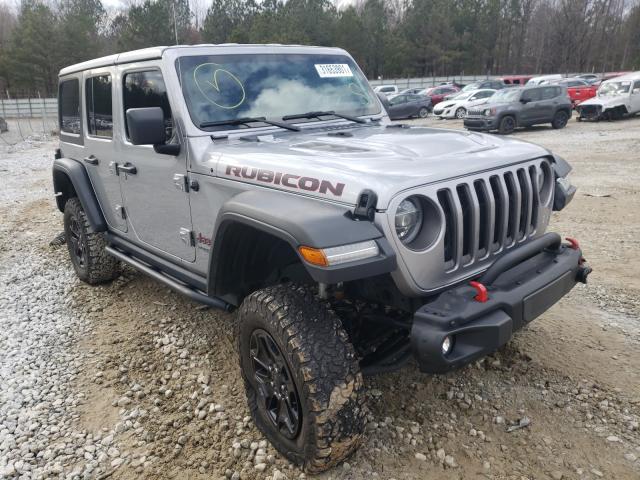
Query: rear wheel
[507,125]
[86,247]
[560,119]
[423,112]
[301,375]
[461,113]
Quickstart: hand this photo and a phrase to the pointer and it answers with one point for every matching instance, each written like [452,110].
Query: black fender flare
[299,220]
[70,178]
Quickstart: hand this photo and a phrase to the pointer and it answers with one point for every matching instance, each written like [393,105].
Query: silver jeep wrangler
[268,180]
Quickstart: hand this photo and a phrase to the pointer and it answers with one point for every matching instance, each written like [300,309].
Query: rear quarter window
[69,106]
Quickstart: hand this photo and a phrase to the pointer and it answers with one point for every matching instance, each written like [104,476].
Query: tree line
[388,38]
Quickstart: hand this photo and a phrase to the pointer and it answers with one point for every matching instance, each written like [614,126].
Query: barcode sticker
[331,70]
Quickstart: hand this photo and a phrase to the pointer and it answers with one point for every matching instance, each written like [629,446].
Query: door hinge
[120,211]
[187,237]
[180,182]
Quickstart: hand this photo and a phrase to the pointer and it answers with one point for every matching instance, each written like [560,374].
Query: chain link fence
[28,119]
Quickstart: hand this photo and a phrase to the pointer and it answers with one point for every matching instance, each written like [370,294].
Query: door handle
[127,168]
[91,160]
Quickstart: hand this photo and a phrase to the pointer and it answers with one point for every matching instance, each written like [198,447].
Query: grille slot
[486,215]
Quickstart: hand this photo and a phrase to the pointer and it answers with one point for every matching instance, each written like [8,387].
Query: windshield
[227,87]
[614,88]
[471,86]
[505,95]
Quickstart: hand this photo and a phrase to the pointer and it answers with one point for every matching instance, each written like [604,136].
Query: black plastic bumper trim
[516,296]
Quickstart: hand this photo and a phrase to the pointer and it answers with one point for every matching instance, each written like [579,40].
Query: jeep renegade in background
[511,108]
[268,180]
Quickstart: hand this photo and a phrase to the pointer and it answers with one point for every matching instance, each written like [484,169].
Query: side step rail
[169,281]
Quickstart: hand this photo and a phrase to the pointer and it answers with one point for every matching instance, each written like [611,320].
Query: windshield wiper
[324,114]
[246,120]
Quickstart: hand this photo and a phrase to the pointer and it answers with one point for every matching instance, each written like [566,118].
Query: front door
[153,185]
[101,156]
[635,97]
[531,110]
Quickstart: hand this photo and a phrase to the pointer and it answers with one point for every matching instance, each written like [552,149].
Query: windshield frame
[253,51]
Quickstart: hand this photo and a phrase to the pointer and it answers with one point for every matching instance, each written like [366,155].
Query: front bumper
[521,285]
[480,123]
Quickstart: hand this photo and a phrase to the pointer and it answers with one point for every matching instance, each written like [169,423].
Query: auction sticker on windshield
[331,70]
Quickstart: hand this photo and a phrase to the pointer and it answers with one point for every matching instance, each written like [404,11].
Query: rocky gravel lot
[129,380]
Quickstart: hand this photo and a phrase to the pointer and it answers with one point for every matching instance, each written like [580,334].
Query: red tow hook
[574,244]
[482,294]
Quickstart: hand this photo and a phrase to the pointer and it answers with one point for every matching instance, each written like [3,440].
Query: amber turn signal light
[314,256]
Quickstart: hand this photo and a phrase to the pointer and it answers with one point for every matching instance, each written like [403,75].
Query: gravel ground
[129,380]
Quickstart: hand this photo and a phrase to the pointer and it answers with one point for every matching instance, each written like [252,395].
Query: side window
[550,92]
[532,95]
[484,94]
[69,106]
[636,87]
[399,99]
[97,91]
[147,89]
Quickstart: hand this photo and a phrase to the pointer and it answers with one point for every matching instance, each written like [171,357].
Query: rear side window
[99,107]
[147,89]
[69,106]
[550,92]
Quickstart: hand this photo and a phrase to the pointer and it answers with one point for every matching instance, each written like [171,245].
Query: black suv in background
[521,107]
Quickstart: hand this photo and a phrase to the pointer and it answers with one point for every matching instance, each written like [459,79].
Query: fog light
[447,345]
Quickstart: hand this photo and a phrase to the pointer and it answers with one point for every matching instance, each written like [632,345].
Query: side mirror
[525,100]
[146,127]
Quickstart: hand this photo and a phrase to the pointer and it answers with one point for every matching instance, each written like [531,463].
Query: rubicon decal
[310,184]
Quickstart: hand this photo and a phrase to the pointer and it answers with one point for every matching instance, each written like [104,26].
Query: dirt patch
[163,372]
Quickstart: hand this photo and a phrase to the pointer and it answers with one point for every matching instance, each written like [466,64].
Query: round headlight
[408,219]
[487,112]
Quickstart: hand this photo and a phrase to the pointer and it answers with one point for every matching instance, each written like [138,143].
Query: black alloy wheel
[274,383]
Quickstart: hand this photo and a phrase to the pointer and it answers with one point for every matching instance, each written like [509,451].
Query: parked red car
[516,79]
[437,94]
[579,90]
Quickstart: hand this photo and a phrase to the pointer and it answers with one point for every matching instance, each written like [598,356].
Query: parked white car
[544,79]
[387,89]
[616,98]
[457,107]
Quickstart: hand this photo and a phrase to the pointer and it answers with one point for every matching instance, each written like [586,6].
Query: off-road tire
[461,112]
[507,125]
[325,372]
[423,112]
[96,265]
[560,119]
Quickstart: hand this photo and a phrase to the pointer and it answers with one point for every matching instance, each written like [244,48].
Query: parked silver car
[268,180]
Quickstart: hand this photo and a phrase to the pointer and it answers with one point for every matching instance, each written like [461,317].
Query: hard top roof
[154,53]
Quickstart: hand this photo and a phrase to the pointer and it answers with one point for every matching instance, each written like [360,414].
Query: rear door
[100,155]
[550,102]
[153,185]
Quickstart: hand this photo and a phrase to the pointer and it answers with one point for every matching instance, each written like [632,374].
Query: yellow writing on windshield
[219,86]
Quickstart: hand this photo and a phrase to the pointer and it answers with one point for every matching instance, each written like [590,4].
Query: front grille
[490,214]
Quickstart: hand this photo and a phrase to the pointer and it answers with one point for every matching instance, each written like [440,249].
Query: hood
[606,101]
[338,165]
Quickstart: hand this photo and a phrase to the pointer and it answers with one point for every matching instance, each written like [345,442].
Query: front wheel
[86,247]
[301,375]
[507,125]
[560,119]
[461,113]
[423,112]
